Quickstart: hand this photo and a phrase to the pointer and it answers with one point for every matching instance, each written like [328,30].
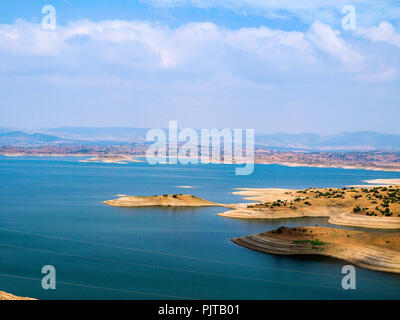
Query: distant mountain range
[120,134]
[348,141]
[19,138]
[355,141]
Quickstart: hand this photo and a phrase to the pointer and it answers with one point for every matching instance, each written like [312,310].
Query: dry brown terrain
[176,200]
[375,251]
[8,296]
[370,207]
[371,160]
[124,159]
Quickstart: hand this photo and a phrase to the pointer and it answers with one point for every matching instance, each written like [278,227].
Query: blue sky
[275,66]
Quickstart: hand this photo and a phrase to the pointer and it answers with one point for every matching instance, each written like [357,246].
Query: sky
[268,65]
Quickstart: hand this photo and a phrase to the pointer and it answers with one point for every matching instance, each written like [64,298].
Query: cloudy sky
[271,65]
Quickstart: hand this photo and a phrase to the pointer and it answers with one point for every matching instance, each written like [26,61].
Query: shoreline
[353,207]
[111,159]
[256,161]
[91,158]
[175,200]
[370,249]
[349,167]
[9,296]
[373,251]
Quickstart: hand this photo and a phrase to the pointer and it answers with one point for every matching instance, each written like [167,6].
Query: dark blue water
[51,213]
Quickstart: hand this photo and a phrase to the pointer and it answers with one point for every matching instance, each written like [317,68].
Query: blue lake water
[51,213]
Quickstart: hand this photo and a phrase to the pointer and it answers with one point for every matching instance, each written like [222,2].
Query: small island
[166,200]
[118,159]
[374,251]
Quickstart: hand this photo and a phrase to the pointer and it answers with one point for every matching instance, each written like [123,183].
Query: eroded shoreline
[374,251]
[9,296]
[373,206]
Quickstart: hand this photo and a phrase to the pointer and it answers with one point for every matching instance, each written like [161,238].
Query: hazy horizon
[180,127]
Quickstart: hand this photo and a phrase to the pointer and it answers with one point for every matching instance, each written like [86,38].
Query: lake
[51,213]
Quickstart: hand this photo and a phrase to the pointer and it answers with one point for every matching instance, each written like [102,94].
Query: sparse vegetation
[315,242]
[383,201]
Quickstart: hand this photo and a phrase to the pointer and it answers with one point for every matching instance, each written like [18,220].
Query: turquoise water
[51,213]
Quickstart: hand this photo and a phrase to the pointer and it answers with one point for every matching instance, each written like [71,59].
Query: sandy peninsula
[377,183]
[172,200]
[375,251]
[388,182]
[8,296]
[375,207]
[120,159]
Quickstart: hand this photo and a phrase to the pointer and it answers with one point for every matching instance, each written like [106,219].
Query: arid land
[371,160]
[8,296]
[373,206]
[374,251]
[124,159]
[376,207]
[172,200]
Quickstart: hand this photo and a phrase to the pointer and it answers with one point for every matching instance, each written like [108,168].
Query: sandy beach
[391,182]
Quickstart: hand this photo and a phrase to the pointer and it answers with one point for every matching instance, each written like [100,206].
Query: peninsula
[374,251]
[368,207]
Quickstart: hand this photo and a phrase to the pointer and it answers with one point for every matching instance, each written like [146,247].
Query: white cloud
[328,40]
[130,48]
[134,73]
[385,32]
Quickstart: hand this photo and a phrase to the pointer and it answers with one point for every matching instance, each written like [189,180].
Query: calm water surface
[51,213]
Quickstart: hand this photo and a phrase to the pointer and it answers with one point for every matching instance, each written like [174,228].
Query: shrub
[280,229]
